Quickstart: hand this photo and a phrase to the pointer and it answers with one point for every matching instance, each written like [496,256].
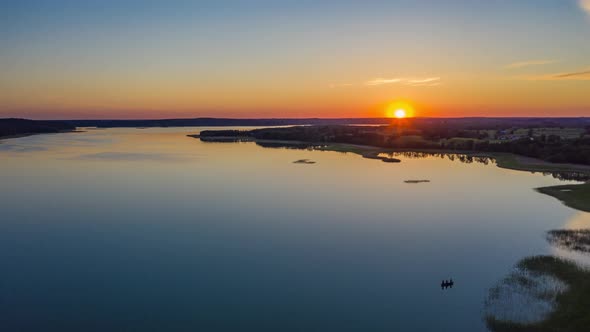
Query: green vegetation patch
[576,196]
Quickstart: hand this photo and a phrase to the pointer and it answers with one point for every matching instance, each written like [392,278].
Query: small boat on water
[447,284]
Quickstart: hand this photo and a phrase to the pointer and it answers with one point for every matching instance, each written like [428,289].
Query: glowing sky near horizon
[164,59]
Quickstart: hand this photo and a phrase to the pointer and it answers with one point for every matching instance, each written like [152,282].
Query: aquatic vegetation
[523,297]
[380,156]
[543,293]
[574,240]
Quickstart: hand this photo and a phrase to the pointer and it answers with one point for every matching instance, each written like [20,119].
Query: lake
[150,230]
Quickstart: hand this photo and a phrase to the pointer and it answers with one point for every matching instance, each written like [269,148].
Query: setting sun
[400,110]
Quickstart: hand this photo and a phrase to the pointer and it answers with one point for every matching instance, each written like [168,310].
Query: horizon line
[302,118]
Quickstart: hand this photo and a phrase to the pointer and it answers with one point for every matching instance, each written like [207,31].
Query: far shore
[503,160]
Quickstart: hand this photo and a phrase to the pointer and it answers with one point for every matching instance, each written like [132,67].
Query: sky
[126,59]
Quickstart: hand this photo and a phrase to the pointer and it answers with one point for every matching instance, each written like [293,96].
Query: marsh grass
[545,293]
[523,297]
[573,240]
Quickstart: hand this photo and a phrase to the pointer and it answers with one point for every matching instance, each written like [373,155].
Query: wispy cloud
[529,63]
[427,81]
[423,81]
[580,75]
[381,81]
[585,5]
[431,81]
[574,75]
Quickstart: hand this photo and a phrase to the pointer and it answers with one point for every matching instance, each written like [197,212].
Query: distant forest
[456,137]
[13,127]
[522,136]
[447,122]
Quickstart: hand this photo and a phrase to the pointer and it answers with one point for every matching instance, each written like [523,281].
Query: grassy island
[576,196]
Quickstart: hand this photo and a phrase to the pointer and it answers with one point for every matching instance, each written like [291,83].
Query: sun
[399,109]
[400,113]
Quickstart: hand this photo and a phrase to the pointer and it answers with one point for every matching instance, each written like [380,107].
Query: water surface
[150,230]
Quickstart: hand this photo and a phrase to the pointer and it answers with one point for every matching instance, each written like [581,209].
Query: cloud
[428,81]
[431,81]
[528,63]
[381,81]
[580,75]
[585,5]
[425,81]
[585,75]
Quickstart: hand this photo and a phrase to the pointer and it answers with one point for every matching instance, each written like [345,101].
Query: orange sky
[460,58]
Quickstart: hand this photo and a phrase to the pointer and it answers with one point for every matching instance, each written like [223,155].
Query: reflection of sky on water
[581,258]
[239,236]
[130,156]
[580,220]
[35,143]
[20,148]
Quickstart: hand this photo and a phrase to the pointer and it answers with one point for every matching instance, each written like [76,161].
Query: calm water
[149,230]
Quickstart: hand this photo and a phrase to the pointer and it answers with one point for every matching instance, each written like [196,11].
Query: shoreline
[503,160]
[577,198]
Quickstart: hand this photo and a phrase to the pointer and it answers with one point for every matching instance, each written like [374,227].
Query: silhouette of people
[447,284]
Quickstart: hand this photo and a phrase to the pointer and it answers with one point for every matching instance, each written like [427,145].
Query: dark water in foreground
[149,230]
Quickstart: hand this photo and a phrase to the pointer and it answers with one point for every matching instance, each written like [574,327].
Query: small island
[576,196]
[304,161]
